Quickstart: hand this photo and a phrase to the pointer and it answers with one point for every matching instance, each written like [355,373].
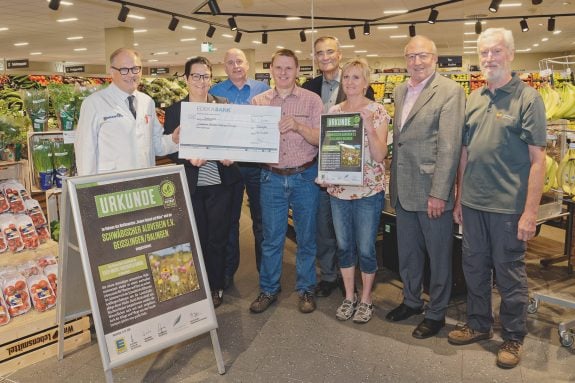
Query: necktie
[131,105]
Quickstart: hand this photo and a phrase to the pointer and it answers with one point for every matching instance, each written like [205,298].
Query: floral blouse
[373,172]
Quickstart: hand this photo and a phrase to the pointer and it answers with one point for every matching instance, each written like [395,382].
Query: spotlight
[524,26]
[433,16]
[494,6]
[173,24]
[54,4]
[123,15]
[264,38]
[238,37]
[536,2]
[302,37]
[211,31]
[232,23]
[478,27]
[214,8]
[351,32]
[366,29]
[412,30]
[551,24]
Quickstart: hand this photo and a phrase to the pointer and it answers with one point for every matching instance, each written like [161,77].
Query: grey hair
[491,33]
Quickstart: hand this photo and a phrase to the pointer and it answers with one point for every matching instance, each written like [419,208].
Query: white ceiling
[33,22]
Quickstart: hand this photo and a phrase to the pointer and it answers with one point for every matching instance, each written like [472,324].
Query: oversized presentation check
[244,133]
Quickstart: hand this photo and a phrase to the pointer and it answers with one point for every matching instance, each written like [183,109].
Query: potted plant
[63,99]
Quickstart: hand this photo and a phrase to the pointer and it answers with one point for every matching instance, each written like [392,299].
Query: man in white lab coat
[118,128]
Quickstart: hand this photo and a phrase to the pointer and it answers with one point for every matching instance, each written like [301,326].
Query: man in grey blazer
[427,133]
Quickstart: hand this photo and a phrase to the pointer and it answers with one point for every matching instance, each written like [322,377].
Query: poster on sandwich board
[142,262]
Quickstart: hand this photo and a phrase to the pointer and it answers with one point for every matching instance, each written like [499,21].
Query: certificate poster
[244,133]
[341,149]
[144,262]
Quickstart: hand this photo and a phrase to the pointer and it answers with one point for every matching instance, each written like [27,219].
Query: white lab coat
[108,138]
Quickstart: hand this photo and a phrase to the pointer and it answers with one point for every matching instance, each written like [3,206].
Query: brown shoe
[509,354]
[463,334]
[262,302]
[217,297]
[306,302]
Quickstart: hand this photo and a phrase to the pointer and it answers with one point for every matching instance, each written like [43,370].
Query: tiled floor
[282,345]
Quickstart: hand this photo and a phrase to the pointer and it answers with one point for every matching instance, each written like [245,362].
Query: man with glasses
[328,57]
[238,89]
[500,181]
[427,128]
[118,128]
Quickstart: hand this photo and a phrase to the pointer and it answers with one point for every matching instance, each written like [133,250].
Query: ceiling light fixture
[433,16]
[551,24]
[264,38]
[524,26]
[211,31]
[173,23]
[232,23]
[366,29]
[351,32]
[123,15]
[494,6]
[54,4]
[214,8]
[302,37]
[238,37]
[412,32]
[536,2]
[478,27]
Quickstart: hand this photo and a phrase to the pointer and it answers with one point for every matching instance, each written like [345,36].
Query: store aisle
[283,345]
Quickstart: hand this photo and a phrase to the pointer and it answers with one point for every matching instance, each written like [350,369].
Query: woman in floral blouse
[356,210]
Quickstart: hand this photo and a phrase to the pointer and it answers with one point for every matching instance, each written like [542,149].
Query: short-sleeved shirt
[234,95]
[373,172]
[499,127]
[306,107]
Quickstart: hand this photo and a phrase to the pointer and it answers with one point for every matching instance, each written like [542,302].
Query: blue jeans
[279,193]
[251,183]
[356,222]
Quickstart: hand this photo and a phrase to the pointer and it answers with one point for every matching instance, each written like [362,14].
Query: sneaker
[262,302]
[363,313]
[217,297]
[463,334]
[509,354]
[306,302]
[324,288]
[346,310]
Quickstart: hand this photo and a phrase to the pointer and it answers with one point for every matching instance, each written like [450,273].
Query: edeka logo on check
[128,201]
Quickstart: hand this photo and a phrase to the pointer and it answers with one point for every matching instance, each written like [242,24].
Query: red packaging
[16,294]
[27,232]
[35,212]
[14,199]
[41,292]
[51,272]
[11,232]
[4,315]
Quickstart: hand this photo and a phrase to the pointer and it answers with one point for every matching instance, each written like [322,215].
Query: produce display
[566,172]
[551,168]
[164,91]
[559,100]
[52,159]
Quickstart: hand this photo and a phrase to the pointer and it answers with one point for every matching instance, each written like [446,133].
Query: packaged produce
[63,159]
[4,206]
[27,231]
[4,315]
[42,160]
[41,292]
[46,261]
[27,269]
[22,190]
[51,272]
[36,104]
[16,295]
[43,234]
[13,197]
[35,212]
[3,243]
[11,232]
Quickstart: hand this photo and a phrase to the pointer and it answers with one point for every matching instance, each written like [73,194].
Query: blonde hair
[357,63]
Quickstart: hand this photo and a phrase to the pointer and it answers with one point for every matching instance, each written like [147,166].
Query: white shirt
[108,138]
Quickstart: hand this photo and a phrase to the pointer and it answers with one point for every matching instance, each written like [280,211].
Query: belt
[290,171]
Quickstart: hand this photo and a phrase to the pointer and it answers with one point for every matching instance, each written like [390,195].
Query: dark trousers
[251,183]
[325,238]
[418,235]
[490,243]
[211,205]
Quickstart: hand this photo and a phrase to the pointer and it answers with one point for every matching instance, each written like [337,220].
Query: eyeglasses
[423,56]
[125,71]
[198,77]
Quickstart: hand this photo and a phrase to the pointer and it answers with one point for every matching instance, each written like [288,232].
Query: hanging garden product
[43,167]
[63,99]
[36,104]
[63,158]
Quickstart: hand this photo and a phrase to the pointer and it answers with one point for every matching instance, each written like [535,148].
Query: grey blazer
[426,151]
